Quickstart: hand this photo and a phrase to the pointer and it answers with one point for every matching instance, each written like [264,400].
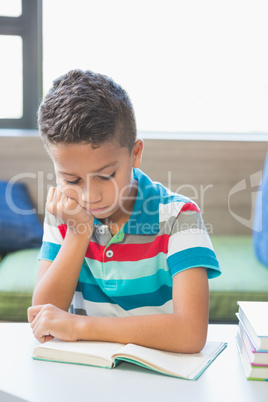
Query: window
[20,67]
[11,66]
[188,66]
[10,8]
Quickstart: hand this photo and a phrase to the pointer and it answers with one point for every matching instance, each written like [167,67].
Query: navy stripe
[94,294]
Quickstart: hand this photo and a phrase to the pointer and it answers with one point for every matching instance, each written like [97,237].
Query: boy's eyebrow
[106,166]
[96,171]
[67,174]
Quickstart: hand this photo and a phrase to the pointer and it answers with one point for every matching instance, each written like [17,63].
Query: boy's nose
[91,195]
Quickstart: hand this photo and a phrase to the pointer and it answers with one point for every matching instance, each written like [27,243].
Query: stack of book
[252,339]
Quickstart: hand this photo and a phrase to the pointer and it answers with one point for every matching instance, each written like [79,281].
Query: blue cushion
[260,228]
[20,227]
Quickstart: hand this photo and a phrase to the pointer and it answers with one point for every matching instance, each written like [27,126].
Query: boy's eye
[105,178]
[72,182]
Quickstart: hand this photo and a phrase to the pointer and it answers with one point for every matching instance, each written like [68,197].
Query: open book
[108,355]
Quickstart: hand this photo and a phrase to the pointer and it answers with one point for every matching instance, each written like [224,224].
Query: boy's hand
[48,322]
[69,210]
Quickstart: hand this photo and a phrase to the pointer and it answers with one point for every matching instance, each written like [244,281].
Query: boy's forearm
[58,284]
[183,331]
[169,332]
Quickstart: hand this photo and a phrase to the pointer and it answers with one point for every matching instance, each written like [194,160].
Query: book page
[179,364]
[84,352]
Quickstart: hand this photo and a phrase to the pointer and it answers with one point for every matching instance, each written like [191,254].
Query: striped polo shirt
[131,273]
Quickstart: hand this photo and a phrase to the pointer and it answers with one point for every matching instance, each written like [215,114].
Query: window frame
[29,26]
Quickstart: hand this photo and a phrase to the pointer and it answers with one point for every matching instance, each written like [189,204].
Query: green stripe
[125,287]
[127,269]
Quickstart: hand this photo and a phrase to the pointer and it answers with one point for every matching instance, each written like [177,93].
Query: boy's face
[99,179]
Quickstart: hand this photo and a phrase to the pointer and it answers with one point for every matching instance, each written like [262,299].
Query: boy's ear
[137,153]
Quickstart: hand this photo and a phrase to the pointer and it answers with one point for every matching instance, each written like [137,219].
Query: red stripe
[63,230]
[136,252]
[124,252]
[95,251]
[190,207]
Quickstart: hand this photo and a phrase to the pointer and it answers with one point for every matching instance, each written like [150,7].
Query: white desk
[38,381]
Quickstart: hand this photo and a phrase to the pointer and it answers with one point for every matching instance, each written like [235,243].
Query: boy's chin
[102,214]
[109,216]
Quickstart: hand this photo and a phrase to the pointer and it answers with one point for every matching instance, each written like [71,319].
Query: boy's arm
[183,331]
[57,280]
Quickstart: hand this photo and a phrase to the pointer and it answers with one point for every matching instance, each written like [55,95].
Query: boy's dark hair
[83,106]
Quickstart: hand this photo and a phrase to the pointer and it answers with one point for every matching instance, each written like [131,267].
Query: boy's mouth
[94,211]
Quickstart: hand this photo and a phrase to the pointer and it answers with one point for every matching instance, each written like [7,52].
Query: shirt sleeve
[52,238]
[189,243]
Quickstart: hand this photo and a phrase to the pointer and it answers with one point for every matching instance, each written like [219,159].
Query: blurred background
[196,72]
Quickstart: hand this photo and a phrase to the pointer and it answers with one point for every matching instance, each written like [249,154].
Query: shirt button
[101,230]
[109,254]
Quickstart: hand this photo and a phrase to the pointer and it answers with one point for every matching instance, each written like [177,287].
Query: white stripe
[170,209]
[113,310]
[52,234]
[188,239]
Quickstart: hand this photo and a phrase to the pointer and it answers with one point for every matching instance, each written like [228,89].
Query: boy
[129,259]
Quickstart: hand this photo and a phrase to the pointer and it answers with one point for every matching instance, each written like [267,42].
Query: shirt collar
[145,215]
[144,219]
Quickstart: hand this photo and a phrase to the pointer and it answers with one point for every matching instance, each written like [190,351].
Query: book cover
[259,373]
[255,357]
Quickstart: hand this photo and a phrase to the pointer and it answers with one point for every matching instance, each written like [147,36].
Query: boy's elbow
[197,345]
[194,339]
[197,337]
[196,330]
[191,346]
